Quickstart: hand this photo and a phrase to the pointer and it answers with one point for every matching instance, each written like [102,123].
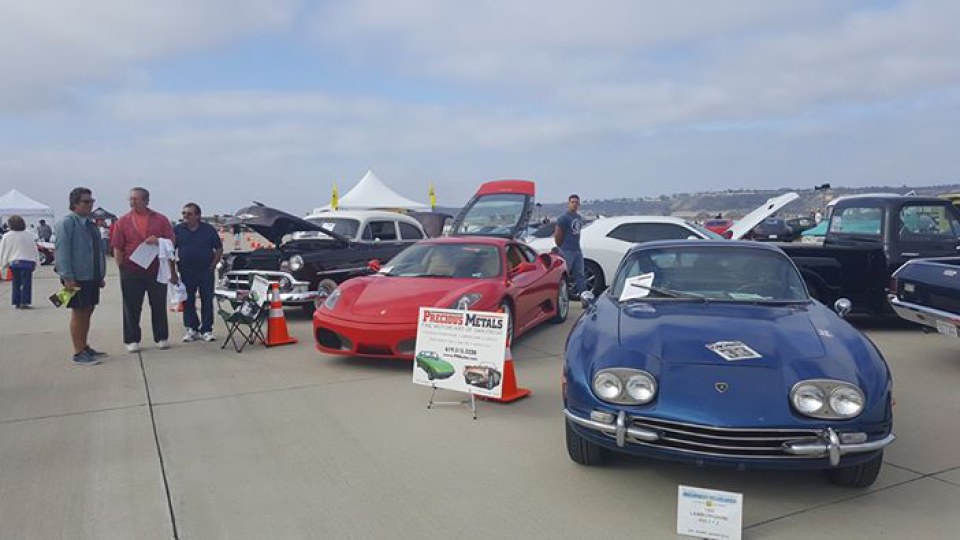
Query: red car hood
[399,299]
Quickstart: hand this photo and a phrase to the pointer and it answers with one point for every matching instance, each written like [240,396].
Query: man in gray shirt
[567,237]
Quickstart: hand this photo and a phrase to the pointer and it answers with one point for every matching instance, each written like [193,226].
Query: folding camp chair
[244,323]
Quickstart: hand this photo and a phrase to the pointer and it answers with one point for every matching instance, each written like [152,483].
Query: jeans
[133,286]
[22,294]
[575,267]
[202,283]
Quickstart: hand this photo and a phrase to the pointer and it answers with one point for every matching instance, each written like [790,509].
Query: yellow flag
[433,197]
[334,199]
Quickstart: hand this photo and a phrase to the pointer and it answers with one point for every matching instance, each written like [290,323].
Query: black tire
[508,309]
[44,258]
[562,303]
[583,451]
[857,476]
[593,275]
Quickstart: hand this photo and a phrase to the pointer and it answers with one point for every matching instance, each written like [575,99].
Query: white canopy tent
[16,203]
[371,193]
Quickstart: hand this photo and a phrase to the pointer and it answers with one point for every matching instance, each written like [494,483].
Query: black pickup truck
[867,240]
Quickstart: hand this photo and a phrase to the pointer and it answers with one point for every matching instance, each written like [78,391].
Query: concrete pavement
[195,442]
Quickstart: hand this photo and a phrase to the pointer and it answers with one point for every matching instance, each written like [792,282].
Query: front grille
[725,442]
[382,350]
[242,281]
[407,346]
[332,340]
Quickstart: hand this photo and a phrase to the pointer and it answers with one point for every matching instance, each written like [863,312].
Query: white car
[605,241]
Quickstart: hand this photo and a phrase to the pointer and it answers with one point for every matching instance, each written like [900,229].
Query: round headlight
[846,401]
[641,387]
[808,398]
[607,386]
[296,263]
[331,301]
[284,283]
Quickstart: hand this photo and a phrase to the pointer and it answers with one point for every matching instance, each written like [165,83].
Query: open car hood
[501,208]
[274,224]
[756,217]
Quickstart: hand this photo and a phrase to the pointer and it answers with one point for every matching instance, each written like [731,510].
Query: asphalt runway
[196,442]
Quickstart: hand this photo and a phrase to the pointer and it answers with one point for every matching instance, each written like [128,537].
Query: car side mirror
[374,265]
[843,306]
[587,299]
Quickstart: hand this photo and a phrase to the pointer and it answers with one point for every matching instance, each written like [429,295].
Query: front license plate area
[947,329]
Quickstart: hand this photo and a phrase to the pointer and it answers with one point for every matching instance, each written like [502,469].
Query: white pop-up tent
[371,193]
[16,203]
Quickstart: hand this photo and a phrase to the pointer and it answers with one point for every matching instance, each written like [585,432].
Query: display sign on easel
[462,351]
[708,513]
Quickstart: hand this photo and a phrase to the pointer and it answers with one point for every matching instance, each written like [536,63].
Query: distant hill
[730,203]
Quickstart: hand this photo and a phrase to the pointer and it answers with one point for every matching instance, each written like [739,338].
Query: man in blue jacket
[199,249]
[82,266]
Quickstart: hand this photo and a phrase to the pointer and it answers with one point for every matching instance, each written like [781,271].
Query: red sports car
[481,267]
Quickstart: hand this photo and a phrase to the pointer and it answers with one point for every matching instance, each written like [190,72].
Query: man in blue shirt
[567,237]
[199,250]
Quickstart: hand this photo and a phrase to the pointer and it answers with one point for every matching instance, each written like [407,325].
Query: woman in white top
[18,252]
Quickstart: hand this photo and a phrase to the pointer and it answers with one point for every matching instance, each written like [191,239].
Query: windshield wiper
[418,275]
[668,293]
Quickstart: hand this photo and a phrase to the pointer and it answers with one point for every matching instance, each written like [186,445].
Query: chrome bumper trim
[285,297]
[924,315]
[831,446]
[618,430]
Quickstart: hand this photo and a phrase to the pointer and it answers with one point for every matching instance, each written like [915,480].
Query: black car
[773,230]
[314,254]
[800,224]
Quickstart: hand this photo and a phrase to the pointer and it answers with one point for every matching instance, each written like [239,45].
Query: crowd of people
[151,254]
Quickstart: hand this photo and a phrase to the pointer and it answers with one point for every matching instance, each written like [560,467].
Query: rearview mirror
[843,306]
[374,265]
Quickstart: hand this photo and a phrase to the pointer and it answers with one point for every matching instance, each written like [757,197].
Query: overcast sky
[224,101]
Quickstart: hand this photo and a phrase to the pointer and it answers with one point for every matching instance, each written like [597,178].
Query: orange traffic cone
[510,390]
[276,322]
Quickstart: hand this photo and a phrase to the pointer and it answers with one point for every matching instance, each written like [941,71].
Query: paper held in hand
[144,255]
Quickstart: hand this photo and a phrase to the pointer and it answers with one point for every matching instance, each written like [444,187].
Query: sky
[226,101]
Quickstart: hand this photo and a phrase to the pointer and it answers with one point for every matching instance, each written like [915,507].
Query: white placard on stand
[708,513]
[461,351]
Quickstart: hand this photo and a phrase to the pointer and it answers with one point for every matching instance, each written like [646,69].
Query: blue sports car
[713,352]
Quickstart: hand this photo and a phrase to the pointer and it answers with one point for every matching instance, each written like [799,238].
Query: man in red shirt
[141,225]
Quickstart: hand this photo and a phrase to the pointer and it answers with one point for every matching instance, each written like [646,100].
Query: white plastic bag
[175,295]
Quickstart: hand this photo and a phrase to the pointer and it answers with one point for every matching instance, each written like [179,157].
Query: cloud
[48,47]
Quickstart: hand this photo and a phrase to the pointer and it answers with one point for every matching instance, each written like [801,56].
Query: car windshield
[343,226]
[494,215]
[711,273]
[446,260]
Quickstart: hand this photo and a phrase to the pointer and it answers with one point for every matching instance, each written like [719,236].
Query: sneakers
[191,335]
[208,337]
[93,352]
[163,344]
[133,347]
[85,359]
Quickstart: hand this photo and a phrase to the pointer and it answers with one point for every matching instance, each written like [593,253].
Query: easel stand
[469,403]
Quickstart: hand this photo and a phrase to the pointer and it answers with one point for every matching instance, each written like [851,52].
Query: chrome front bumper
[240,279]
[927,316]
[827,444]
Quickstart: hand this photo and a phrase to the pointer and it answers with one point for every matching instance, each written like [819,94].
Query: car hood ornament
[721,387]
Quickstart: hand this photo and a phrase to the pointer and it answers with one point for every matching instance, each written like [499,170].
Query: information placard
[708,513]
[461,350]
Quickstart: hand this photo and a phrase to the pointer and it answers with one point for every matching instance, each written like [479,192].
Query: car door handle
[911,254]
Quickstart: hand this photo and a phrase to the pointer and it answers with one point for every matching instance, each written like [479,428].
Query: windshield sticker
[637,286]
[732,351]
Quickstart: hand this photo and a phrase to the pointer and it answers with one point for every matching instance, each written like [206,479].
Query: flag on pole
[334,199]
[433,197]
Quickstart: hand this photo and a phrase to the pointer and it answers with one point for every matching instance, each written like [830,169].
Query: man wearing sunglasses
[199,249]
[81,263]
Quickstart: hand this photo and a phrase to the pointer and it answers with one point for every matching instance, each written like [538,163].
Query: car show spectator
[138,227]
[44,231]
[199,249]
[567,238]
[18,252]
[82,267]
